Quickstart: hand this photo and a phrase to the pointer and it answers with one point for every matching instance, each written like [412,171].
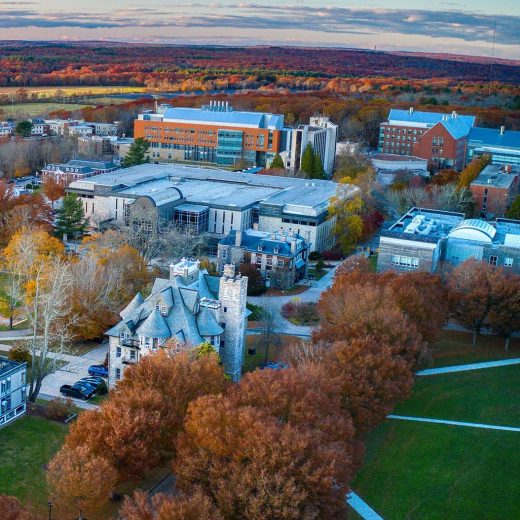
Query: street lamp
[49,503]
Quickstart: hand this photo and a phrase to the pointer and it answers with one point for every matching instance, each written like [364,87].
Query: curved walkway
[471,366]
[361,507]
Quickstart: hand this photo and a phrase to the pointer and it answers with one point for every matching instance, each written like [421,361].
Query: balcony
[129,360]
[127,342]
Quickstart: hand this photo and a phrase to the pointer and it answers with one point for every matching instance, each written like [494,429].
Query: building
[75,170]
[213,134]
[190,308]
[77,127]
[426,240]
[6,130]
[321,134]
[503,146]
[94,146]
[347,148]
[13,389]
[214,201]
[281,258]
[120,146]
[439,138]
[495,188]
[80,130]
[388,166]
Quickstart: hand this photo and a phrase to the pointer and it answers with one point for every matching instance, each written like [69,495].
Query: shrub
[333,254]
[20,353]
[314,255]
[320,264]
[102,389]
[59,409]
[300,313]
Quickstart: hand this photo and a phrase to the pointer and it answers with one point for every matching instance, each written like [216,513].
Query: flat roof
[213,186]
[496,176]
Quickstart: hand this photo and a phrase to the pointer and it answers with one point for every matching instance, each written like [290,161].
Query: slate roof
[493,137]
[185,319]
[252,239]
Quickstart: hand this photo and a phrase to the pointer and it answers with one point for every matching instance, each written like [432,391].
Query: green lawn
[454,348]
[489,396]
[26,446]
[37,109]
[437,472]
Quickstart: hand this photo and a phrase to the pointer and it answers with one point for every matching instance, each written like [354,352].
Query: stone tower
[233,296]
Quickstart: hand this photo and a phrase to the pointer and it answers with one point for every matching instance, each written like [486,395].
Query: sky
[459,27]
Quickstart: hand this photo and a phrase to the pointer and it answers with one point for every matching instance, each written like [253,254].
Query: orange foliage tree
[12,510]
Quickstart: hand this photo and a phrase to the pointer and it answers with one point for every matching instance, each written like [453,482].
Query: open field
[252,362]
[36,109]
[27,445]
[44,92]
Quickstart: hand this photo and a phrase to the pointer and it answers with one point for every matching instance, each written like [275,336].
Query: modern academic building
[213,134]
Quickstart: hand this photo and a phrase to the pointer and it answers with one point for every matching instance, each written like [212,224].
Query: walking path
[471,366]
[361,507]
[455,423]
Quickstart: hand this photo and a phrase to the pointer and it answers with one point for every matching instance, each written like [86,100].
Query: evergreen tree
[277,163]
[70,218]
[137,154]
[23,128]
[514,210]
[317,167]
[307,164]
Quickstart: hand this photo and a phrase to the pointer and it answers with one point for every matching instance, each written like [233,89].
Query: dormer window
[260,247]
[164,310]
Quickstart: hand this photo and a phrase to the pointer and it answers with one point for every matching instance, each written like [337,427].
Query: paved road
[312,294]
[471,366]
[454,423]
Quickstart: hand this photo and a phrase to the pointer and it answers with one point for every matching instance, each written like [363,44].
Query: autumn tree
[255,281]
[53,190]
[70,218]
[472,171]
[504,315]
[79,481]
[137,154]
[471,294]
[347,209]
[136,428]
[196,506]
[13,510]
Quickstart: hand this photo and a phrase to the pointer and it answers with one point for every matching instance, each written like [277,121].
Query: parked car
[88,386]
[274,365]
[98,370]
[76,391]
[97,382]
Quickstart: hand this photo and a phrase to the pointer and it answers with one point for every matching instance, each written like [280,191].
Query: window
[493,260]
[508,262]
[132,354]
[224,254]
[405,261]
[118,374]
[24,394]
[2,387]
[225,309]
[118,352]
[280,263]
[8,384]
[23,376]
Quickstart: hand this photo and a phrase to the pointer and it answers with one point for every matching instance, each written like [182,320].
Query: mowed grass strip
[455,348]
[489,396]
[26,447]
[438,472]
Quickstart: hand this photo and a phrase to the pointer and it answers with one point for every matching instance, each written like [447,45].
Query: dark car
[98,383]
[76,391]
[274,365]
[89,387]
[98,370]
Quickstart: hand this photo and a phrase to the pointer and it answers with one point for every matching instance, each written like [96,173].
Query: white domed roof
[474,229]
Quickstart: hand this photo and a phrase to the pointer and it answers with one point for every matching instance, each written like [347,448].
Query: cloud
[458,25]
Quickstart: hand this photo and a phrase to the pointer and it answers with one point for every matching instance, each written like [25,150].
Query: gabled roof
[456,127]
[207,323]
[427,118]
[155,326]
[136,302]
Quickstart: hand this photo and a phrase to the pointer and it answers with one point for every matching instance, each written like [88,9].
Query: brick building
[280,257]
[439,138]
[214,134]
[495,189]
[76,170]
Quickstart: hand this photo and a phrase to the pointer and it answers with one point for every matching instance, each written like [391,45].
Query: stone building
[13,389]
[425,240]
[190,307]
[280,257]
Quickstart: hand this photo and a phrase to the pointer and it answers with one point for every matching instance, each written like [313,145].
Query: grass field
[36,109]
[454,347]
[27,445]
[73,91]
[429,471]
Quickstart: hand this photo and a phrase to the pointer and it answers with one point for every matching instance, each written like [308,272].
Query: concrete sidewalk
[361,507]
[455,423]
[471,366]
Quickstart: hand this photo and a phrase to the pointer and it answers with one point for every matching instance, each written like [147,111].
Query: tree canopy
[137,154]
[70,218]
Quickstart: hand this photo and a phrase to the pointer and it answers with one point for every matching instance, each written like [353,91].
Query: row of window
[404,131]
[405,261]
[493,260]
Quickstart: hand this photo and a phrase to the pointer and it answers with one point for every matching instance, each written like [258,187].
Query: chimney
[454,114]
[502,130]
[238,238]
[293,245]
[229,271]
[410,110]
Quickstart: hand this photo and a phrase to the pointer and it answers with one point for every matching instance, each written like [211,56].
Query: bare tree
[270,325]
